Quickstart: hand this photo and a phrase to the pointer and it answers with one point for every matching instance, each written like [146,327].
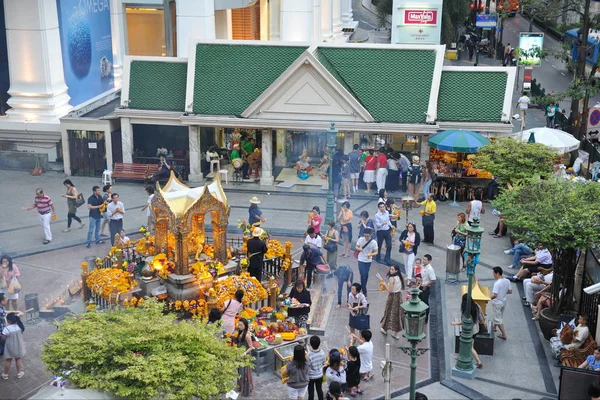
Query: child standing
[335,371]
[365,350]
[417,268]
[316,360]
[14,347]
[353,372]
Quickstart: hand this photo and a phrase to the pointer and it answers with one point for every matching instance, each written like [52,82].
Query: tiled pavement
[520,368]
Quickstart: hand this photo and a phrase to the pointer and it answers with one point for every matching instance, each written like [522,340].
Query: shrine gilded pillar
[181,252]
[160,238]
[220,241]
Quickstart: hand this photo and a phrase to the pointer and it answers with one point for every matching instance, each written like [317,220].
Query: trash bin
[453,263]
[32,308]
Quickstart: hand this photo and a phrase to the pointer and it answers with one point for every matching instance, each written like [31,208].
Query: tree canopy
[511,161]
[564,216]
[141,353]
[561,214]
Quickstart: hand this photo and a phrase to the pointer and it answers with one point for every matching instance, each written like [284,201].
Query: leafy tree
[560,214]
[139,353]
[511,161]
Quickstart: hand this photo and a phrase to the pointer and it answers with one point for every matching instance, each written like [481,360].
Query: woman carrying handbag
[358,306]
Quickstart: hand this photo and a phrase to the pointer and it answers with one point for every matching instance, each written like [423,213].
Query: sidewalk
[520,368]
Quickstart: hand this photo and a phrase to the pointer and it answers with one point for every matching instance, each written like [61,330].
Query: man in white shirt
[536,283]
[474,210]
[428,278]
[367,248]
[312,239]
[383,227]
[501,288]
[523,105]
[365,349]
[115,210]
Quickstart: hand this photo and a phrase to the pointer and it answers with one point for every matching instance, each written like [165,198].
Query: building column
[117,31]
[265,23]
[346,8]
[37,84]
[223,24]
[296,20]
[424,144]
[275,19]
[316,36]
[195,19]
[357,138]
[108,146]
[195,174]
[64,136]
[326,20]
[348,142]
[266,173]
[337,19]
[127,140]
[281,158]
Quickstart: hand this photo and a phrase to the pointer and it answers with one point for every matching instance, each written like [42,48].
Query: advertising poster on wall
[416,22]
[86,43]
[530,49]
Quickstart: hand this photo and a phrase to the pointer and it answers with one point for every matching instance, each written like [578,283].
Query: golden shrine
[180,211]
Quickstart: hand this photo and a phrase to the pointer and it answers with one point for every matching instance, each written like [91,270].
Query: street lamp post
[331,139]
[414,324]
[464,364]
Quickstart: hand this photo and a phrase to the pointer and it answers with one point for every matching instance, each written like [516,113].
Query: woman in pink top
[8,270]
[230,310]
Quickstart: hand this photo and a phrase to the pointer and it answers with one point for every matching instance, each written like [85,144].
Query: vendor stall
[451,159]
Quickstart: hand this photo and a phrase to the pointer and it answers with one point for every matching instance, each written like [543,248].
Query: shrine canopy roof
[180,198]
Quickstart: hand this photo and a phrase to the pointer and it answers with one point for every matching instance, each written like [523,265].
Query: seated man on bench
[541,259]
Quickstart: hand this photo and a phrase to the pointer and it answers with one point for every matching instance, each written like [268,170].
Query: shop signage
[485,21]
[416,21]
[86,44]
[420,17]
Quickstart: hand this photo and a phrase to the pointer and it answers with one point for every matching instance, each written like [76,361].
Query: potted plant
[561,215]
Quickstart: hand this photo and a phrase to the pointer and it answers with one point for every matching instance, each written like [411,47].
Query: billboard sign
[420,17]
[530,49]
[485,21]
[86,42]
[417,22]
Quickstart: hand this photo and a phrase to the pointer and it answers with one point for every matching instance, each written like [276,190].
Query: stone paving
[520,368]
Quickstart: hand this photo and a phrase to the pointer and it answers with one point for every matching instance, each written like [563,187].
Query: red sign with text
[420,17]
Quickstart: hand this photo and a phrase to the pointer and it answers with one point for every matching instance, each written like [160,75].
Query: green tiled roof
[471,96]
[393,85]
[157,85]
[230,77]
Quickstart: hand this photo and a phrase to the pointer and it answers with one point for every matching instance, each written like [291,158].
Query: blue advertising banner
[485,20]
[86,43]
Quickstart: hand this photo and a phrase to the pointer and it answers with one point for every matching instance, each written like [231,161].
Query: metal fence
[589,302]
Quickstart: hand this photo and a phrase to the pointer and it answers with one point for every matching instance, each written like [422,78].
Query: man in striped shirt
[45,208]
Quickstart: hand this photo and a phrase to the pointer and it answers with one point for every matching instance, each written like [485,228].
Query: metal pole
[413,370]
[465,357]
[329,204]
[387,372]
